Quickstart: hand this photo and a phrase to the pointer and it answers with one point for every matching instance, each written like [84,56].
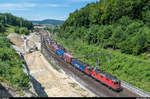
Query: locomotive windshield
[117,82]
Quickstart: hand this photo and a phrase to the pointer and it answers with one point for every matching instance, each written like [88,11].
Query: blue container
[78,64]
[60,52]
[82,67]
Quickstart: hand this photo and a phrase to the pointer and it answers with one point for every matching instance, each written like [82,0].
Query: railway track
[135,89]
[88,82]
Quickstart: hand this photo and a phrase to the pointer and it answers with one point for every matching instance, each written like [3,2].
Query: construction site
[48,81]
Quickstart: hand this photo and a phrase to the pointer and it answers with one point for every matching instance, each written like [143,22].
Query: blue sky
[42,9]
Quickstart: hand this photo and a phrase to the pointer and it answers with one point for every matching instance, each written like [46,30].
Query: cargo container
[60,52]
[78,64]
[67,57]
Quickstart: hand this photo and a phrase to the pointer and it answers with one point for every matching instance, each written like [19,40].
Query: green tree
[24,30]
[2,28]
[17,29]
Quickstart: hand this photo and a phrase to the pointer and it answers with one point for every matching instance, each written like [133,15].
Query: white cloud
[16,6]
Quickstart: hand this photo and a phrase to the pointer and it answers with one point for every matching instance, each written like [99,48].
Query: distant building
[39,26]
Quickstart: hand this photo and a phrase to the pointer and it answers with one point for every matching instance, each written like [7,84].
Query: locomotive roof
[107,75]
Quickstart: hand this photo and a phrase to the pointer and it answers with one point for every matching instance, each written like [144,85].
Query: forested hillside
[11,70]
[119,28]
[117,24]
[48,21]
[21,25]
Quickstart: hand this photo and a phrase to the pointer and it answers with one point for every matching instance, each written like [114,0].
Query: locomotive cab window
[107,79]
[116,83]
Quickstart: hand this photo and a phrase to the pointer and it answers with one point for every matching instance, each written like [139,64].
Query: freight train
[105,78]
